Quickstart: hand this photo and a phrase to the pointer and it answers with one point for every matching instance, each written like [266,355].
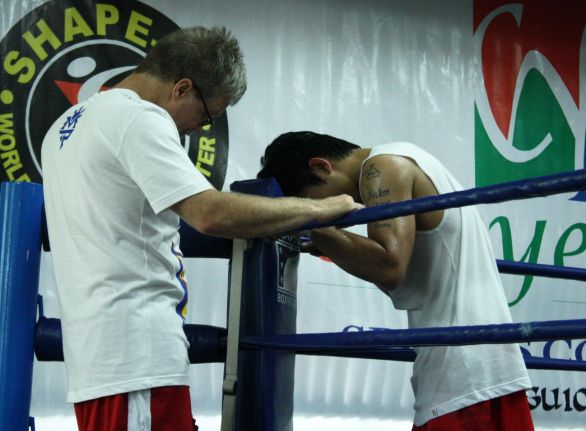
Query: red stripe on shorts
[170,411]
[506,413]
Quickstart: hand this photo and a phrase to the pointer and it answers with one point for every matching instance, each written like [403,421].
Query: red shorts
[506,413]
[165,409]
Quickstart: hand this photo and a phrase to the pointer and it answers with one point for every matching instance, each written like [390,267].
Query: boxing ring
[260,342]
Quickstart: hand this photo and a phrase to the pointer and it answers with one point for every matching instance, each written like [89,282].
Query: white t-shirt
[452,280]
[112,167]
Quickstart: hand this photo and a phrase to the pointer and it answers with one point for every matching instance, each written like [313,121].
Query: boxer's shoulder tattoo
[371,173]
[377,194]
[382,225]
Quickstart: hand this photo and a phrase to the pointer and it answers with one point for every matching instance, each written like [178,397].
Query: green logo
[527,118]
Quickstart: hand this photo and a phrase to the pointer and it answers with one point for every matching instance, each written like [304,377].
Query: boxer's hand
[334,207]
[307,246]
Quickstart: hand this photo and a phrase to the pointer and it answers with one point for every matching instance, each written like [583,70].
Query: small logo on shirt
[69,126]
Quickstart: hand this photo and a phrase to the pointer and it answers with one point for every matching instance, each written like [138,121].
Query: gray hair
[210,57]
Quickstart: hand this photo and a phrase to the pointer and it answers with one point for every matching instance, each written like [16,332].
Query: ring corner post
[20,250]
[269,307]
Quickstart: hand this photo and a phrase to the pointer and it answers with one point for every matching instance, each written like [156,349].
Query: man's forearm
[243,216]
[359,256]
[234,215]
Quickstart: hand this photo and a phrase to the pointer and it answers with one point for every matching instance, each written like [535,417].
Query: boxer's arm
[384,256]
[234,215]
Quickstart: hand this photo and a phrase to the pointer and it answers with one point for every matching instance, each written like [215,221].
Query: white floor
[208,423]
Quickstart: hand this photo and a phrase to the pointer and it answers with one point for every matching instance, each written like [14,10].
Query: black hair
[287,158]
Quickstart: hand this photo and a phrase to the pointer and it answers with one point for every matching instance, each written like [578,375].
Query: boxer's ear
[320,164]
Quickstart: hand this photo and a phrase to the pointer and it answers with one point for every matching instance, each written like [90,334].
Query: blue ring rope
[402,354]
[521,189]
[387,343]
[552,271]
[445,336]
[533,363]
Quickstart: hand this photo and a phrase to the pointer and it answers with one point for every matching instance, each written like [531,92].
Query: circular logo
[62,53]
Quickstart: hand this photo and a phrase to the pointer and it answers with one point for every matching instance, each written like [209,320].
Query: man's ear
[320,164]
[182,87]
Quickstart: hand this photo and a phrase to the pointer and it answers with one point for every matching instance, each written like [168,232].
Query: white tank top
[452,280]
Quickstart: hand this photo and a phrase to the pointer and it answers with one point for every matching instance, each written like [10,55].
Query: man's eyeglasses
[209,121]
